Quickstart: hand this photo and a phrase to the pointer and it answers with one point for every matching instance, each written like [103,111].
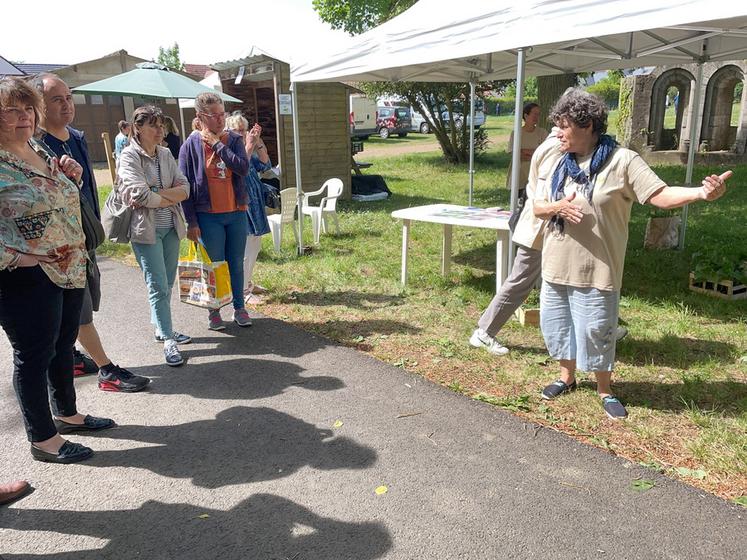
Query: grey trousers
[524,273]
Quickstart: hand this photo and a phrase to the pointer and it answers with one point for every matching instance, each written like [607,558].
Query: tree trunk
[549,89]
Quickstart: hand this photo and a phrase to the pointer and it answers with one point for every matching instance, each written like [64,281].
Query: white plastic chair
[288,203]
[327,207]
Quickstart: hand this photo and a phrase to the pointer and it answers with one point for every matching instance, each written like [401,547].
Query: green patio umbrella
[149,79]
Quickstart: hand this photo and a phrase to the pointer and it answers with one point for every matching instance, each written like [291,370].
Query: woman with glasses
[42,276]
[152,183]
[216,165]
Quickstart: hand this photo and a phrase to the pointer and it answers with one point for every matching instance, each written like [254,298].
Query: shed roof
[39,68]
[9,69]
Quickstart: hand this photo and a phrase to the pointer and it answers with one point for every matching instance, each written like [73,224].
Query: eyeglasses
[14,114]
[214,115]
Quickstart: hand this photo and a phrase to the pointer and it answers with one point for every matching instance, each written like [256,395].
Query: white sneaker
[481,339]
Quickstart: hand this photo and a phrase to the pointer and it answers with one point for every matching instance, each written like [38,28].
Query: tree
[444,106]
[432,100]
[549,90]
[169,57]
[357,16]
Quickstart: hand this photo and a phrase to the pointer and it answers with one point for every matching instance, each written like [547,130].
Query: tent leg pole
[297,157]
[696,116]
[516,148]
[471,122]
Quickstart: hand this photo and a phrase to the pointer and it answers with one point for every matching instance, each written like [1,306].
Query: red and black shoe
[82,364]
[119,380]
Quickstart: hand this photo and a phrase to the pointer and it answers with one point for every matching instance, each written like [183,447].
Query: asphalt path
[270,443]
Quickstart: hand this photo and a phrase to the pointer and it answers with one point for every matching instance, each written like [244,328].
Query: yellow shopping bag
[203,283]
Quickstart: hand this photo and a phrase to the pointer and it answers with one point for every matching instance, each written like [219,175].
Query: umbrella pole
[516,148]
[695,119]
[181,119]
[297,156]
[471,122]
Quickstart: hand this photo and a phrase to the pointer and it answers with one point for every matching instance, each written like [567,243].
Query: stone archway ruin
[663,137]
[646,125]
[717,132]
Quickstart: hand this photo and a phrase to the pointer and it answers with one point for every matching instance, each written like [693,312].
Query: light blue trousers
[158,263]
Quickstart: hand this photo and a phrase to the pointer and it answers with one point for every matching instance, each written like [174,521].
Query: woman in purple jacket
[215,164]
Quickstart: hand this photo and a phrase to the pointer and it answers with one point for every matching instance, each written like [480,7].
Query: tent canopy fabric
[151,80]
[438,41]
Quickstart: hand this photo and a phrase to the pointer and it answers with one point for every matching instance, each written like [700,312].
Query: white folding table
[453,215]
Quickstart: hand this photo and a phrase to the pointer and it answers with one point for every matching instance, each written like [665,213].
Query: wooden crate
[724,289]
[528,317]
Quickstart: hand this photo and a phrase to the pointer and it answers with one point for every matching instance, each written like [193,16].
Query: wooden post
[109,156]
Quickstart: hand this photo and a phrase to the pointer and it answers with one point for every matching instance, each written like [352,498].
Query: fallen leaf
[203,516]
[381,490]
[641,484]
[338,424]
[359,338]
[698,474]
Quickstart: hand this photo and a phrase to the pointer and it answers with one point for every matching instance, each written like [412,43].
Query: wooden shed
[95,114]
[323,116]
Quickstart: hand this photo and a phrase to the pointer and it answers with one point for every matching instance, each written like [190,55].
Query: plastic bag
[203,283]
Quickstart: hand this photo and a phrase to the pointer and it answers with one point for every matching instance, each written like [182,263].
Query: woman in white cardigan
[151,182]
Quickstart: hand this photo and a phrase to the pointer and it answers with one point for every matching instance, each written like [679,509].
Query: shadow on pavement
[241,378]
[241,445]
[262,527]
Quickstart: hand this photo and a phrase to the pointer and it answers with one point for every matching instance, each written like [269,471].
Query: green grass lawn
[682,371]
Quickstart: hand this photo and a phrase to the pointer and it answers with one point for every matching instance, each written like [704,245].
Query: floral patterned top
[40,215]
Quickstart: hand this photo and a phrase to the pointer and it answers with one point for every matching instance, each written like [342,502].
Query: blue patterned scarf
[568,167]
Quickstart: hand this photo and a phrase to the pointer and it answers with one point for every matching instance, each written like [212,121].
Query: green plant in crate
[720,263]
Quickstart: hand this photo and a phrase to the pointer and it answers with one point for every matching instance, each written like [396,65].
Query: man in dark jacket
[62,139]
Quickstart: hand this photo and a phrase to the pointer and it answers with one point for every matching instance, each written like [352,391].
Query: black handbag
[92,228]
[272,196]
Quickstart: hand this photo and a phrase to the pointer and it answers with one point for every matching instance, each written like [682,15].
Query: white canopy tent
[438,41]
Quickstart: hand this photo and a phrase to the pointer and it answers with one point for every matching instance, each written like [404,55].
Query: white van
[362,116]
[419,124]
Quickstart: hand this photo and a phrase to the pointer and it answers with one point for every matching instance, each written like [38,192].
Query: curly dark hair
[581,108]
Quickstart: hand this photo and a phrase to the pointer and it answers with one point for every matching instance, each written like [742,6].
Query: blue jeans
[579,324]
[158,263]
[224,238]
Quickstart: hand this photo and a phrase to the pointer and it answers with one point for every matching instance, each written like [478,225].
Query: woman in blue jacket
[258,224]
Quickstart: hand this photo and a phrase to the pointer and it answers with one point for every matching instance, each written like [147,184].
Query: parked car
[393,120]
[418,123]
[362,117]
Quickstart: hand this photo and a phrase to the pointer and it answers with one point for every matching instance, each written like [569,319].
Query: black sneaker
[82,364]
[557,388]
[614,408]
[119,380]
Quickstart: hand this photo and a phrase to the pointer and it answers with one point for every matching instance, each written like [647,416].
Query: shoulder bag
[116,217]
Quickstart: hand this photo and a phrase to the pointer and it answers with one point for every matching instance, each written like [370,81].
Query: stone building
[644,100]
